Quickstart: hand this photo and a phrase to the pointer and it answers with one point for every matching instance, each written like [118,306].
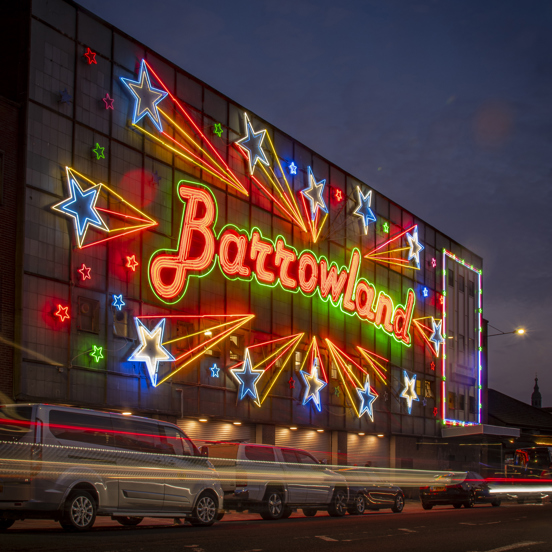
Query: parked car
[458,490]
[273,481]
[70,465]
[367,491]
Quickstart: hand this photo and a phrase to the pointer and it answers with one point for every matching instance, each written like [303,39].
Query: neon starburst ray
[428,333]
[385,255]
[376,365]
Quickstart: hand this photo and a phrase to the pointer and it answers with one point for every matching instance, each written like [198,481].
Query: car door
[141,472]
[296,477]
[319,479]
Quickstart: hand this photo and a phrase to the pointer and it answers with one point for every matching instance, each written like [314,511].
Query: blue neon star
[409,391]
[363,209]
[415,246]
[214,371]
[437,337]
[292,168]
[252,142]
[146,98]
[314,386]
[425,292]
[65,96]
[247,378]
[314,194]
[81,206]
[118,301]
[367,399]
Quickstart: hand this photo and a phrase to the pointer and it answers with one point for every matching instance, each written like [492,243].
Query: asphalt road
[525,528]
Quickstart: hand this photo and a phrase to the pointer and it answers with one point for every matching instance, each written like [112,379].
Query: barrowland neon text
[243,255]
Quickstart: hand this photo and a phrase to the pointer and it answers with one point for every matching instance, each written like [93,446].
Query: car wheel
[338,505]
[273,506]
[128,521]
[287,512]
[398,505]
[79,512]
[309,512]
[470,502]
[496,503]
[427,506]
[5,524]
[358,506]
[457,505]
[205,511]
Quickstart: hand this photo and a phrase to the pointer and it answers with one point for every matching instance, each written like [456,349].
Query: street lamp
[518,331]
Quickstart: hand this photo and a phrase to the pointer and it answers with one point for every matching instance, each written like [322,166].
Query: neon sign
[243,255]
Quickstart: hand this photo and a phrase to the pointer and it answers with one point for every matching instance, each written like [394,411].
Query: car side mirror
[324,461]
[204,451]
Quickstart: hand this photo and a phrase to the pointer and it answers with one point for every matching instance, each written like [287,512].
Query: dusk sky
[445,107]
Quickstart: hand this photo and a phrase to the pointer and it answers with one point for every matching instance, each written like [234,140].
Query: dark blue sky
[445,107]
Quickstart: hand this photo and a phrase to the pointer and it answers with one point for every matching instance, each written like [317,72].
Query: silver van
[71,464]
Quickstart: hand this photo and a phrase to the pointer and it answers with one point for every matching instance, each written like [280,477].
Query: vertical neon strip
[444,359]
[480,313]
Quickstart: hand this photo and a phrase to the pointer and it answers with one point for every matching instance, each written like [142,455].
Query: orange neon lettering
[330,282]
[284,258]
[348,302]
[402,319]
[260,251]
[384,312]
[168,271]
[307,282]
[235,267]
[364,299]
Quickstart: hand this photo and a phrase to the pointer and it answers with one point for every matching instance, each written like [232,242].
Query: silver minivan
[71,464]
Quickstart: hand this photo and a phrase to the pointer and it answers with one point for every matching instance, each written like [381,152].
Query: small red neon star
[442,299]
[291,383]
[108,101]
[132,263]
[435,411]
[85,272]
[433,262]
[90,56]
[338,195]
[62,313]
[432,365]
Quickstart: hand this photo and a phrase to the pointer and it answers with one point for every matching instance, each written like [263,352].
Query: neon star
[314,194]
[97,353]
[108,101]
[214,371]
[367,399]
[409,391]
[65,96]
[386,227]
[425,292]
[90,56]
[339,194]
[424,402]
[118,302]
[99,151]
[292,168]
[252,143]
[217,129]
[435,411]
[146,98]
[62,313]
[433,262]
[81,206]
[432,366]
[132,263]
[314,386]
[151,350]
[363,209]
[247,378]
[291,382]
[336,391]
[155,178]
[85,272]
[415,246]
[436,337]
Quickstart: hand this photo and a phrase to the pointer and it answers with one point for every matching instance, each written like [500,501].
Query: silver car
[70,465]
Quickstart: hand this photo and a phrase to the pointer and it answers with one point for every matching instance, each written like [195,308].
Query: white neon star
[252,142]
[314,386]
[409,391]
[247,378]
[437,337]
[367,399]
[415,246]
[314,194]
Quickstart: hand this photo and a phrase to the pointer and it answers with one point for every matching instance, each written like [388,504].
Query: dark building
[536,399]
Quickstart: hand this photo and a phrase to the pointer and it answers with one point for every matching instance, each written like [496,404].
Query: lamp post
[518,331]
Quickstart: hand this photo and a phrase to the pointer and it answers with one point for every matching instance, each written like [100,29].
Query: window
[450,277]
[461,283]
[471,351]
[452,400]
[471,288]
[259,453]
[234,345]
[121,327]
[450,340]
[418,386]
[183,329]
[15,423]
[461,343]
[428,390]
[333,370]
[298,360]
[306,458]
[471,402]
[461,402]
[82,428]
[138,436]
[289,456]
[176,443]
[88,319]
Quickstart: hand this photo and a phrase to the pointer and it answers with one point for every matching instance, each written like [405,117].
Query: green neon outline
[253,275]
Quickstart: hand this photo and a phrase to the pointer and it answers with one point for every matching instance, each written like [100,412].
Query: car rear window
[139,436]
[264,454]
[82,427]
[15,423]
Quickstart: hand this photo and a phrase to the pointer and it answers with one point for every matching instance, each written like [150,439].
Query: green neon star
[218,130]
[99,151]
[386,227]
[97,353]
[336,391]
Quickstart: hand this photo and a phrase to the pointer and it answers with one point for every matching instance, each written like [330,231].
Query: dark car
[458,490]
[367,491]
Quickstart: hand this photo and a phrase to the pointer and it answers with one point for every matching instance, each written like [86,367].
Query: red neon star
[338,195]
[85,272]
[108,101]
[442,299]
[132,263]
[90,56]
[433,262]
[435,411]
[432,365]
[291,383]
[62,313]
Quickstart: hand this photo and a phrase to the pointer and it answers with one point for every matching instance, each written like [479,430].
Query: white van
[71,464]
[273,481]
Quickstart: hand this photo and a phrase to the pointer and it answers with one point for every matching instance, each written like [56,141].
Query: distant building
[536,398]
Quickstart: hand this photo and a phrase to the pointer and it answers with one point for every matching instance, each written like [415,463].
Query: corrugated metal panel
[367,448]
[318,444]
[200,432]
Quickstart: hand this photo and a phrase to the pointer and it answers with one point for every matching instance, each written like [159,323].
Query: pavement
[526,528]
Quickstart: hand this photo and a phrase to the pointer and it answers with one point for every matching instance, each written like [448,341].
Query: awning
[480,429]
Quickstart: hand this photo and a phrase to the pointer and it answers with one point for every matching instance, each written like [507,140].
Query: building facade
[175,255]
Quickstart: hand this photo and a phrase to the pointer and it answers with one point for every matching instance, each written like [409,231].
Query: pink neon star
[85,272]
[433,262]
[90,56]
[108,101]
